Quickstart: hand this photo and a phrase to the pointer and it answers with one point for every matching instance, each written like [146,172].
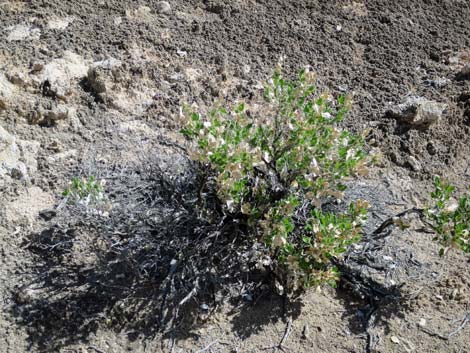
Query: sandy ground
[105,80]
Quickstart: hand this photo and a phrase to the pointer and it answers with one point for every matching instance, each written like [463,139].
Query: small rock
[50,117]
[37,66]
[305,332]
[47,215]
[25,296]
[418,112]
[7,90]
[143,13]
[247,297]
[60,74]
[62,156]
[16,174]
[395,339]
[182,53]
[422,322]
[101,76]
[438,82]
[431,148]
[59,23]
[29,151]
[163,7]
[61,112]
[23,32]
[414,164]
[18,78]
[464,73]
[108,64]
[11,155]
[204,307]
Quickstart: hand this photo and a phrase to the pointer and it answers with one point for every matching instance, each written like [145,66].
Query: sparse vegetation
[85,190]
[277,166]
[450,217]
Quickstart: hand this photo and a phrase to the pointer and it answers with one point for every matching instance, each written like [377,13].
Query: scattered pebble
[414,164]
[305,332]
[163,7]
[182,53]
[59,23]
[23,32]
[395,339]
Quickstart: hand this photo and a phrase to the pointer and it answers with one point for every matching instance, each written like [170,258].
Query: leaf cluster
[449,217]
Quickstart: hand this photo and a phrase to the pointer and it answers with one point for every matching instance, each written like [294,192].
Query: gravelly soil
[378,51]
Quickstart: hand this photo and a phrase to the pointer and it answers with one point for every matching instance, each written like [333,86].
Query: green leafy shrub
[86,191]
[450,218]
[276,164]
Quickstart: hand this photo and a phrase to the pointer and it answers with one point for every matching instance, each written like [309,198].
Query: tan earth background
[97,87]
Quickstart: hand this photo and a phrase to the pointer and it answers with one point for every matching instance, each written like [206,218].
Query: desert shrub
[275,165]
[449,217]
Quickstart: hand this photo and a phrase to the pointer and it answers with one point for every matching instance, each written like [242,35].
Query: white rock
[29,151]
[61,73]
[163,7]
[10,154]
[108,63]
[23,32]
[59,23]
[7,91]
[117,21]
[414,164]
[18,78]
[62,156]
[143,13]
[50,117]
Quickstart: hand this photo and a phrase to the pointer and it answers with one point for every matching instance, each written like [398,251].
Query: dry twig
[280,346]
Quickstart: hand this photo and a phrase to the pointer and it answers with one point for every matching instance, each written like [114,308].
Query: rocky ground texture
[100,84]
